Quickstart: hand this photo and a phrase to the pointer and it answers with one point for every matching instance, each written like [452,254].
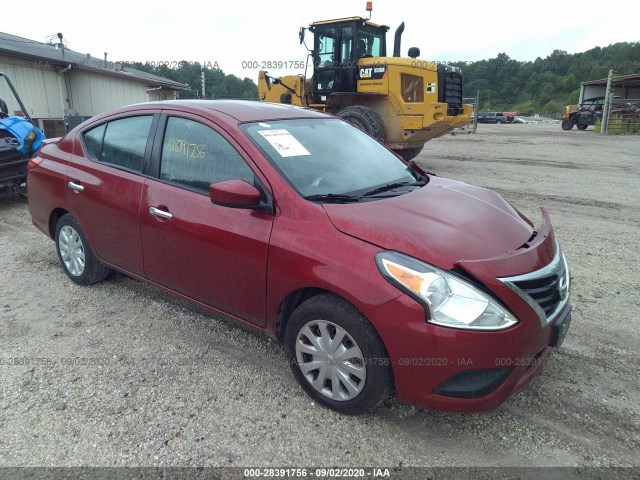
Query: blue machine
[20,140]
[20,135]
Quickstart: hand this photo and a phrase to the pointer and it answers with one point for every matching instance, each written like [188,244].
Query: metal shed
[61,87]
[625,87]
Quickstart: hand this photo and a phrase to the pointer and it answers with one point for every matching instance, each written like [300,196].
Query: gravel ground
[122,374]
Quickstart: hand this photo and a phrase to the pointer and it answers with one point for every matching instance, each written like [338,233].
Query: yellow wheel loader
[402,102]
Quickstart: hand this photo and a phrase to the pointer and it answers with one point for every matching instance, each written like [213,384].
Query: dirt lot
[121,374]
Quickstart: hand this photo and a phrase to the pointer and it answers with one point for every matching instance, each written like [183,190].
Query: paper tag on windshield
[284,143]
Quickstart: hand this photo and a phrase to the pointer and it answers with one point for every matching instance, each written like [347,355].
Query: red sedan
[377,277]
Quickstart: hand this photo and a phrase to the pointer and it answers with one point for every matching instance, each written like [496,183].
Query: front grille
[453,93]
[545,290]
[450,89]
[9,149]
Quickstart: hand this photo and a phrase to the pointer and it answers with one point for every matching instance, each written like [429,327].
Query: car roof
[241,110]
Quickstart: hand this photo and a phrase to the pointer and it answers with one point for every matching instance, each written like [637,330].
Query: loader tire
[366,120]
[409,154]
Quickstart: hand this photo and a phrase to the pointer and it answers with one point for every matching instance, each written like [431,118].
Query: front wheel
[366,120]
[409,154]
[567,124]
[337,356]
[75,254]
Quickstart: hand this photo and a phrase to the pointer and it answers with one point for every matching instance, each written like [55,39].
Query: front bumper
[461,370]
[415,130]
[425,358]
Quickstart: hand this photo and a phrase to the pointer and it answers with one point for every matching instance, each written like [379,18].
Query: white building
[61,88]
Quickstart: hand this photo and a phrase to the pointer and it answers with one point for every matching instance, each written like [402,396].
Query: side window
[412,88]
[125,141]
[376,47]
[326,47]
[369,43]
[93,141]
[346,44]
[195,156]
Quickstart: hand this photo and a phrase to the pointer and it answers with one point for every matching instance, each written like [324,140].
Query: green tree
[556,78]
[217,84]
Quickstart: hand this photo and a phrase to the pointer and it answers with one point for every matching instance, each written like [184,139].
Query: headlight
[28,141]
[450,300]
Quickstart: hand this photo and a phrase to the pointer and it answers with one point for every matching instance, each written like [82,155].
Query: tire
[342,384]
[567,124]
[409,153]
[499,122]
[366,120]
[582,127]
[75,254]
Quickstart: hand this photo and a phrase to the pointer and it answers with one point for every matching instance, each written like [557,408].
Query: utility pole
[607,105]
[202,77]
[476,109]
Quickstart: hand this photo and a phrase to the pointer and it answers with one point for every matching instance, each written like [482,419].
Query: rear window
[121,143]
[93,141]
[125,142]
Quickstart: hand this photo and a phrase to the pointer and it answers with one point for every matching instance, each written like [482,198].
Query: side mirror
[235,194]
[301,35]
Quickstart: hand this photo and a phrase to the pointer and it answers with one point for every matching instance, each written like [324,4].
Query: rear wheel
[409,153]
[75,254]
[582,127]
[567,124]
[366,120]
[337,356]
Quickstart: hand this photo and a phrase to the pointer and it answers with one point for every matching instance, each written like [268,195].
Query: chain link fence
[622,117]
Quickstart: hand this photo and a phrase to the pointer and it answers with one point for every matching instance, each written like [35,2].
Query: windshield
[327,156]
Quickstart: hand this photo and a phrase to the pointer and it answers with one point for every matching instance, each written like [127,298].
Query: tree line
[539,86]
[217,83]
[544,85]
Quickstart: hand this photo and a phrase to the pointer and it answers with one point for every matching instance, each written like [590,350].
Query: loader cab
[337,47]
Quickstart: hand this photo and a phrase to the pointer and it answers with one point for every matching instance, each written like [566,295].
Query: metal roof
[625,80]
[348,19]
[42,52]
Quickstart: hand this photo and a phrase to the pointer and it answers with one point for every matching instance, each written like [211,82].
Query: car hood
[441,223]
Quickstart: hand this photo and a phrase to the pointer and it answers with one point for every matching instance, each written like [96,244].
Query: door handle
[75,186]
[156,212]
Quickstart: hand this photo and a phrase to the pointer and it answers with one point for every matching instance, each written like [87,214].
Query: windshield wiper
[346,198]
[391,186]
[333,197]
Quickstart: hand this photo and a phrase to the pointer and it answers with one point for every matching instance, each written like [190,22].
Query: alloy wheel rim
[330,360]
[71,251]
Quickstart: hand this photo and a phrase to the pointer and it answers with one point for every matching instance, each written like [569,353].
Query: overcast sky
[233,32]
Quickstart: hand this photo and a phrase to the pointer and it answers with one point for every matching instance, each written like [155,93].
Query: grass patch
[623,126]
